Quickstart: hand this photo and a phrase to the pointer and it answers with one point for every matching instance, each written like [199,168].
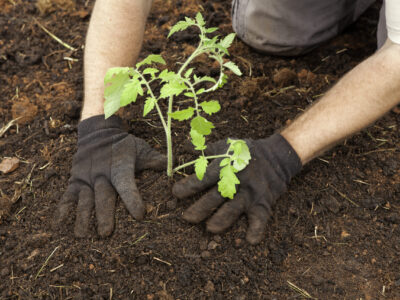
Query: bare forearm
[361,97]
[114,38]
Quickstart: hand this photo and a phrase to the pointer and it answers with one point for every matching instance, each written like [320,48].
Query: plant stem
[169,138]
[194,161]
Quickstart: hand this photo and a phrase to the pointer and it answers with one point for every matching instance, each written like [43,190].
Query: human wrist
[282,156]
[98,122]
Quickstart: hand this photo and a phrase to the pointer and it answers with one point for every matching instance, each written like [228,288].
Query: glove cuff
[97,123]
[282,153]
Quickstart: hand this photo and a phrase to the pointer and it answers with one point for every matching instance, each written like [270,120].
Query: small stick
[57,39]
[302,292]
[9,124]
[46,261]
[163,261]
[345,197]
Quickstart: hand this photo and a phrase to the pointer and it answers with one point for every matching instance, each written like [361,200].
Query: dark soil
[335,234]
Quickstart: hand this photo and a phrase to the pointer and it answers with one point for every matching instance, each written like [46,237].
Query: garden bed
[334,235]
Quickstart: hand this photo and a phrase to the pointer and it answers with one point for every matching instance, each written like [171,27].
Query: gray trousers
[294,27]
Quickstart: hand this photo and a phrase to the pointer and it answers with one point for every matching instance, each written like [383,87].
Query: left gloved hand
[273,163]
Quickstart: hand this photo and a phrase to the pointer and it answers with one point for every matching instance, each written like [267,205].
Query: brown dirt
[334,234]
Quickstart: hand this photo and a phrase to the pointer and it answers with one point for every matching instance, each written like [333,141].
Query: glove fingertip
[214,226]
[191,216]
[254,238]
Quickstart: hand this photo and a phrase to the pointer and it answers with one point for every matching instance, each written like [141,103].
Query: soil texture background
[334,235]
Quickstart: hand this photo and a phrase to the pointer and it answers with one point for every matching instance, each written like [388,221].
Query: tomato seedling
[123,85]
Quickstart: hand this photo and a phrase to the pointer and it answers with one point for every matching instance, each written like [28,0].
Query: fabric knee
[287,27]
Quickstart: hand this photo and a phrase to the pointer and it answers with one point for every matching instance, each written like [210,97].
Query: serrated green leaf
[188,73]
[200,19]
[151,71]
[189,94]
[166,75]
[181,25]
[115,71]
[201,125]
[225,162]
[172,88]
[183,114]
[150,59]
[222,49]
[210,107]
[114,80]
[223,80]
[200,167]
[130,92]
[227,182]
[226,42]
[198,140]
[211,29]
[241,154]
[208,78]
[200,91]
[233,67]
[149,105]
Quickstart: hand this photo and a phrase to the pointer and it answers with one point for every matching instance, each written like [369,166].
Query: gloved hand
[105,164]
[273,163]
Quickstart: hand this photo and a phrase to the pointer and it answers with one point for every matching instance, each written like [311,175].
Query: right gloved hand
[104,165]
[273,163]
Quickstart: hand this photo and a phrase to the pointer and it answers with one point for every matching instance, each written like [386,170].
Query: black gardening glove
[104,165]
[273,163]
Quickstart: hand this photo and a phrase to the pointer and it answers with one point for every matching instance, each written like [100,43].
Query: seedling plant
[123,85]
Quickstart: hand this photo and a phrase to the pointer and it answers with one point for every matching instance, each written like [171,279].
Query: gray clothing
[293,27]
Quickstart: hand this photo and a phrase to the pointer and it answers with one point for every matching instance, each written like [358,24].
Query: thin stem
[195,52]
[196,102]
[152,95]
[169,138]
[194,161]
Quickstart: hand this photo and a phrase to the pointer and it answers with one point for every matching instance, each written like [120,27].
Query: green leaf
[181,25]
[188,73]
[189,94]
[227,182]
[131,91]
[150,59]
[166,75]
[225,162]
[183,114]
[198,140]
[151,71]
[227,41]
[108,78]
[222,49]
[200,91]
[241,154]
[233,67]
[201,125]
[114,80]
[149,105]
[208,78]
[210,107]
[172,88]
[211,29]
[200,19]
[200,167]
[223,80]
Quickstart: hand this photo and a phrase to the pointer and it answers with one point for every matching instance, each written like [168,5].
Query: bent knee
[287,27]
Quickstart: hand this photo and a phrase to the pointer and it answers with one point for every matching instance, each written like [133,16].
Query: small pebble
[212,245]
[4,272]
[205,254]
[238,243]
[217,238]
[209,287]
